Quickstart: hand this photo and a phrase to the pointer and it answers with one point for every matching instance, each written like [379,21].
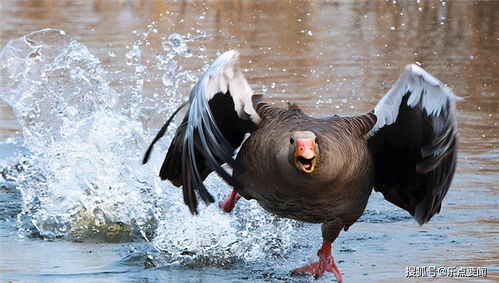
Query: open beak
[305,155]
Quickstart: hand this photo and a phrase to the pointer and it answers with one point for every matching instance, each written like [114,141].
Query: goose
[316,170]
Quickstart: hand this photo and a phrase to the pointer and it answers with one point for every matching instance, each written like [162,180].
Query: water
[84,99]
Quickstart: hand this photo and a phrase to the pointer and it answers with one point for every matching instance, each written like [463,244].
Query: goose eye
[315,140]
[291,140]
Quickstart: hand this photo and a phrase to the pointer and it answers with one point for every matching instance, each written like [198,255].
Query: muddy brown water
[330,57]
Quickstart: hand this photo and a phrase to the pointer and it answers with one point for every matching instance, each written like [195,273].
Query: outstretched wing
[220,113]
[414,143]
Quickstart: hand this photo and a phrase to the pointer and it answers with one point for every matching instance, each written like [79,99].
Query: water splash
[49,78]
[81,176]
[83,153]
[133,58]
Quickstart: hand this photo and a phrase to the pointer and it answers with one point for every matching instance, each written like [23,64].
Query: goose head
[303,151]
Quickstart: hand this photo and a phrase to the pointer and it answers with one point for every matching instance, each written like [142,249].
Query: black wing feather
[214,126]
[415,145]
[161,132]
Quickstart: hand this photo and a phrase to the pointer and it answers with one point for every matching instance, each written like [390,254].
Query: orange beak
[305,155]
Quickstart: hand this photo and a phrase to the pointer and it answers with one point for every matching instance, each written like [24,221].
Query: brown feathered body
[338,188]
[315,170]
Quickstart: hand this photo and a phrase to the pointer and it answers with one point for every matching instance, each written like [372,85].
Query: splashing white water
[82,177]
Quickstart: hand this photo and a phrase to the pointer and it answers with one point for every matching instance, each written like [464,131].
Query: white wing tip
[416,69]
[229,54]
[225,63]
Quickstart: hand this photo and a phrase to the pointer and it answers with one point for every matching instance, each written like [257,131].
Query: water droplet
[177,43]
[133,56]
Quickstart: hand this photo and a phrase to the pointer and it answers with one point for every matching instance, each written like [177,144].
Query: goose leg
[330,231]
[228,204]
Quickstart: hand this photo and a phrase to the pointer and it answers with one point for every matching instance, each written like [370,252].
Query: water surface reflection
[331,57]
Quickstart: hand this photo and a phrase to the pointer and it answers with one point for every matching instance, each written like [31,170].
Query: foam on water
[81,177]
